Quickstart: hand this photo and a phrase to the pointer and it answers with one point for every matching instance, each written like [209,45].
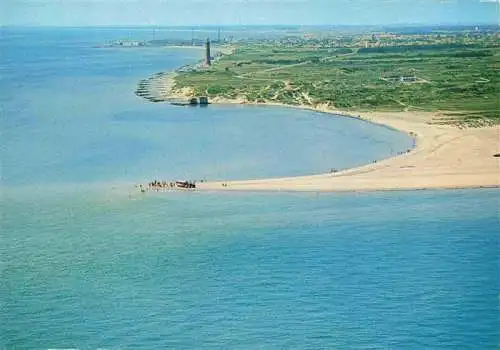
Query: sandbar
[445,157]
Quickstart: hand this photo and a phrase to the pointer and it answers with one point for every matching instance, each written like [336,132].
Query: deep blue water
[89,263]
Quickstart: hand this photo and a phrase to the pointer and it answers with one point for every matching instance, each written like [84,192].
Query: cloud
[490,1]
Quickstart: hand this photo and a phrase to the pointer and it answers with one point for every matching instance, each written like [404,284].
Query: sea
[89,262]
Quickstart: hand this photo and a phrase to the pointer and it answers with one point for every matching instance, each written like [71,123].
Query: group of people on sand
[156,185]
[161,184]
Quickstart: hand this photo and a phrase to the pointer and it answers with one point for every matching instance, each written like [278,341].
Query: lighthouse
[208,59]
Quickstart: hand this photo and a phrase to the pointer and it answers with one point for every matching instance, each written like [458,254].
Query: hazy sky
[224,12]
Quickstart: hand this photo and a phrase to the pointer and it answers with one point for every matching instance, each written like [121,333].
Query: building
[208,58]
[407,79]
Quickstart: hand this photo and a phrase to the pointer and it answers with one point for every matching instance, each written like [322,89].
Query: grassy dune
[461,80]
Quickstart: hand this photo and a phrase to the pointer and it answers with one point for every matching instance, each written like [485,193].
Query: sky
[247,12]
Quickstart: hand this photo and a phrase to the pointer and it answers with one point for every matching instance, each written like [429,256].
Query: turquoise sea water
[89,263]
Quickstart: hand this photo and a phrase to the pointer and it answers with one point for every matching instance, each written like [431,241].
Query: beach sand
[445,156]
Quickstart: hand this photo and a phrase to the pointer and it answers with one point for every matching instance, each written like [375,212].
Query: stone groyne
[157,88]
[160,88]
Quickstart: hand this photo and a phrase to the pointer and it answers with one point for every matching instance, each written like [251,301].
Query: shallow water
[88,262]
[376,270]
[70,115]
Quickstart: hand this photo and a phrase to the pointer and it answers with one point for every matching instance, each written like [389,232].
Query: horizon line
[397,25]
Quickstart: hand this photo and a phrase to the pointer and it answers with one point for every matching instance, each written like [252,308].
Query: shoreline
[215,49]
[444,157]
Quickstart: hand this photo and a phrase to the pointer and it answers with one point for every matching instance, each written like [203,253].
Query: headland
[455,122]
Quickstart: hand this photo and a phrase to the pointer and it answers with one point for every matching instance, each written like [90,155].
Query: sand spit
[446,156]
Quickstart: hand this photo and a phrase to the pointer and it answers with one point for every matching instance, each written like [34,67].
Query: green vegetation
[461,79]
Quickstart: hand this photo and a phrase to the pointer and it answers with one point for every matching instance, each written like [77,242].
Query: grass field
[461,80]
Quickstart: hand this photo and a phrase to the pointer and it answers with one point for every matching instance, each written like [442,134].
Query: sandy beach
[445,156]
